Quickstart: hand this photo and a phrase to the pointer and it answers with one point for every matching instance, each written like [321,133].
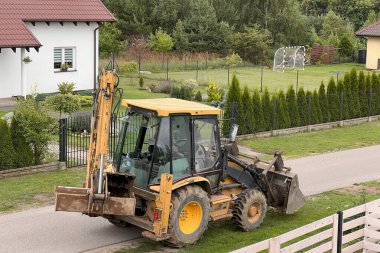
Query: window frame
[63,49]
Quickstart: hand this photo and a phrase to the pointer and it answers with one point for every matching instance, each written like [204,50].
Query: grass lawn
[2,113]
[316,142]
[310,78]
[35,190]
[132,90]
[222,236]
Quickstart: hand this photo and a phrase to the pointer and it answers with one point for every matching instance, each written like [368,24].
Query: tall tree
[258,111]
[282,114]
[323,103]
[332,100]
[21,145]
[316,109]
[165,14]
[249,123]
[292,107]
[161,42]
[233,97]
[180,37]
[110,40]
[302,106]
[362,93]
[375,94]
[343,105]
[7,152]
[355,94]
[267,109]
[348,96]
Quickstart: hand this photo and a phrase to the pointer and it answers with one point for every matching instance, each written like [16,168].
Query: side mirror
[233,132]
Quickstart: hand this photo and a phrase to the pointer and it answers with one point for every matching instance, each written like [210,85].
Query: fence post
[274,115]
[62,143]
[340,232]
[341,109]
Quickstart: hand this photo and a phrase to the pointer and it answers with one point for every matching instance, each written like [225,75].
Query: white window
[64,58]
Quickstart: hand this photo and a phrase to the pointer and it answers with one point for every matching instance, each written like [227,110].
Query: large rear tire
[118,222]
[189,217]
[249,210]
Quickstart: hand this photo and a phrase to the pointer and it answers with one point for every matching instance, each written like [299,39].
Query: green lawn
[34,190]
[310,78]
[131,89]
[316,142]
[2,113]
[223,236]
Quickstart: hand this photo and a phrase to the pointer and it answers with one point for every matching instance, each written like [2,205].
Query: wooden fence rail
[353,230]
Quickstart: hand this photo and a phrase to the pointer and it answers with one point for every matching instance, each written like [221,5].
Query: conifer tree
[323,103]
[343,108]
[267,109]
[375,107]
[347,96]
[7,152]
[248,116]
[282,114]
[317,112]
[233,96]
[355,110]
[368,84]
[24,154]
[363,98]
[311,115]
[258,111]
[292,107]
[302,107]
[332,100]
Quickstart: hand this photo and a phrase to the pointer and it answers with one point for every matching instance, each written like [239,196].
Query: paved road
[42,230]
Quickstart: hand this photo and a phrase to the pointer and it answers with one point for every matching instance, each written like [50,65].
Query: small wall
[373,53]
[349,122]
[30,170]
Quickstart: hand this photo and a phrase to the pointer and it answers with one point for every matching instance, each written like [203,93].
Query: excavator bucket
[296,199]
[84,200]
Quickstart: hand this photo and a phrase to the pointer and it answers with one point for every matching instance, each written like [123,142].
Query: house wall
[373,52]
[40,74]
[10,72]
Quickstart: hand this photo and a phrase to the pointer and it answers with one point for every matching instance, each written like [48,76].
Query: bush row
[354,96]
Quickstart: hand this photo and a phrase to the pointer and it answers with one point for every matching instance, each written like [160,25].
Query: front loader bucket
[83,200]
[296,199]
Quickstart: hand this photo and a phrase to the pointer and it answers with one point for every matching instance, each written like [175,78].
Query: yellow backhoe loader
[170,173]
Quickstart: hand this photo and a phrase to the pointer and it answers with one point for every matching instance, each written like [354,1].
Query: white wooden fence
[353,230]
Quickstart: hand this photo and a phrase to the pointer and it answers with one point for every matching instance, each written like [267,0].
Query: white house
[54,34]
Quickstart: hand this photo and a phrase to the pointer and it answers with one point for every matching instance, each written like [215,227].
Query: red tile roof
[13,14]
[370,31]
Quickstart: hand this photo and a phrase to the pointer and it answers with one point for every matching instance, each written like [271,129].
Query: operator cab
[169,136]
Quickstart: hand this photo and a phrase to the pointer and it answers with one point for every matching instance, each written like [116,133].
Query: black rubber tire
[180,198]
[118,222]
[240,211]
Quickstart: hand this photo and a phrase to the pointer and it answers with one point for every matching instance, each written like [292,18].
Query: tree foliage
[63,103]
[24,156]
[160,41]
[293,108]
[110,41]
[258,111]
[213,92]
[7,152]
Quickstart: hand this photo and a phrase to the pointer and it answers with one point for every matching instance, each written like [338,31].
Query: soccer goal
[289,57]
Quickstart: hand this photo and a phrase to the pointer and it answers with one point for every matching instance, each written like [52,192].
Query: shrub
[333,101]
[323,103]
[198,96]
[362,93]
[141,82]
[282,114]
[85,101]
[234,96]
[355,94]
[7,152]
[267,109]
[248,116]
[191,84]
[129,68]
[164,86]
[36,126]
[213,92]
[292,107]
[66,87]
[302,107]
[63,103]
[258,111]
[24,155]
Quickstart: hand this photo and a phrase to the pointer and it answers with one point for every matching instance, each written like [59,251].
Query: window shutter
[69,56]
[57,58]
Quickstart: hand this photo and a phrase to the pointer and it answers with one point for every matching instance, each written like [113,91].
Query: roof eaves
[362,32]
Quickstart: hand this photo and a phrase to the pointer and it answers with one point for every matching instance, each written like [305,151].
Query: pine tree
[323,103]
[317,112]
[267,109]
[368,84]
[7,152]
[362,92]
[332,101]
[198,96]
[233,96]
[302,107]
[248,115]
[24,154]
[355,110]
[347,97]
[282,114]
[343,108]
[292,107]
[375,94]
[258,111]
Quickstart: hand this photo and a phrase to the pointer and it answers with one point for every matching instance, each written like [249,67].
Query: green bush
[63,103]
[362,93]
[129,68]
[7,152]
[282,113]
[248,116]
[233,96]
[323,103]
[141,82]
[213,92]
[267,110]
[333,101]
[302,107]
[258,111]
[355,94]
[66,87]
[24,156]
[292,107]
[198,96]
[85,101]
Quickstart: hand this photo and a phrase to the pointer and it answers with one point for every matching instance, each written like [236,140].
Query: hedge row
[355,96]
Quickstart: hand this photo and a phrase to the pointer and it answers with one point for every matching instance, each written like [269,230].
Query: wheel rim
[190,217]
[254,212]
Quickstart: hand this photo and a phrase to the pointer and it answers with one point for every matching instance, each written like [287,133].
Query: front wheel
[249,210]
[189,217]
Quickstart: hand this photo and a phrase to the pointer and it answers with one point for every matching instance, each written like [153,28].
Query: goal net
[289,57]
